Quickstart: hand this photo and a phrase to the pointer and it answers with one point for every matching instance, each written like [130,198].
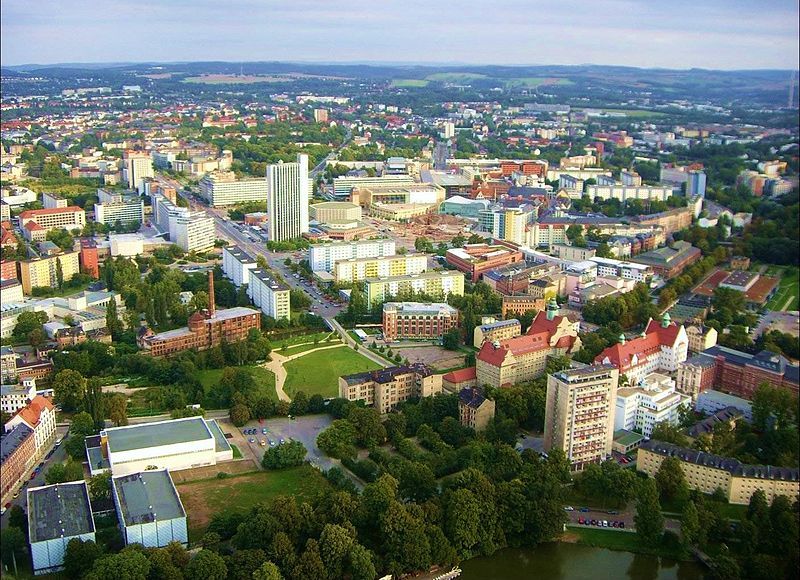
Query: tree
[59,274]
[452,339]
[361,563]
[574,232]
[648,518]
[690,525]
[369,429]
[243,564]
[417,482]
[671,481]
[118,409]
[309,564]
[18,519]
[267,571]
[289,454]
[239,414]
[69,388]
[668,433]
[13,543]
[37,337]
[80,557]
[129,563]
[100,486]
[93,402]
[335,543]
[28,321]
[113,323]
[207,564]
[461,521]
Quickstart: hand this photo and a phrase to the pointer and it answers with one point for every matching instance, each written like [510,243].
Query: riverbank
[623,541]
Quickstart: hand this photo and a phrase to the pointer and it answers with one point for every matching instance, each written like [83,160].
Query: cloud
[727,34]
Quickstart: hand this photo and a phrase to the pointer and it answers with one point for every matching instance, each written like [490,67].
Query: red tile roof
[32,213]
[461,375]
[33,226]
[32,413]
[656,336]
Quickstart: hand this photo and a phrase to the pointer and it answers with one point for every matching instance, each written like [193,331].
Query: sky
[712,34]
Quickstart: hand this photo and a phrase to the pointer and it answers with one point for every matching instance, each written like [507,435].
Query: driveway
[304,429]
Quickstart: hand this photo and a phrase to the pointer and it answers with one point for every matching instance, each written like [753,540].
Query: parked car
[2,511]
[622,524]
[264,431]
[594,522]
[605,523]
[612,512]
[251,440]
[263,443]
[569,508]
[580,520]
[584,509]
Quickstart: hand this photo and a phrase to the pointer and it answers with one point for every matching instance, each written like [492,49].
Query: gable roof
[461,375]
[33,411]
[656,336]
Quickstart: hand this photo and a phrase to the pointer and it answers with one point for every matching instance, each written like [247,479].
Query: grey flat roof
[147,496]
[157,434]
[59,510]
[220,443]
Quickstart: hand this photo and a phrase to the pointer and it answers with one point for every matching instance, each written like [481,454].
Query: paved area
[788,322]
[304,429]
[434,356]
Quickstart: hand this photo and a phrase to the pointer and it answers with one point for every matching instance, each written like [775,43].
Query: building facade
[17,457]
[418,320]
[359,269]
[288,190]
[385,388]
[474,410]
[269,294]
[519,305]
[579,414]
[475,259]
[435,284]
[322,257]
[496,330]
[40,416]
[221,188]
[640,407]
[67,218]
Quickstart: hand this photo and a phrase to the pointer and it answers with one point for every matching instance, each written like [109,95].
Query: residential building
[495,330]
[206,329]
[711,401]
[654,400]
[173,444]
[61,218]
[729,415]
[53,201]
[669,262]
[8,367]
[519,305]
[385,388]
[509,224]
[662,346]
[548,287]
[476,259]
[700,337]
[626,270]
[456,381]
[696,183]
[707,473]
[11,292]
[17,457]
[88,258]
[16,396]
[269,294]
[237,265]
[191,230]
[320,115]
[670,221]
[625,193]
[572,253]
[335,211]
[434,284]
[523,358]
[696,375]
[149,509]
[474,410]
[288,189]
[221,188]
[8,270]
[740,373]
[116,207]
[417,320]
[579,414]
[57,514]
[322,257]
[137,167]
[359,269]
[40,416]
[630,177]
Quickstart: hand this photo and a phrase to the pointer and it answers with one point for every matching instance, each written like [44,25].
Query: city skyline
[715,35]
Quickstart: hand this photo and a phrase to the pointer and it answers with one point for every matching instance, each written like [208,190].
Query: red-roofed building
[523,358]
[69,218]
[39,415]
[455,381]
[8,270]
[34,232]
[662,346]
[7,239]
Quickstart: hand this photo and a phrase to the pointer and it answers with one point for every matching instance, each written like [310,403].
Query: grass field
[625,542]
[303,348]
[409,83]
[455,77]
[234,79]
[789,290]
[319,372]
[203,499]
[533,82]
[264,379]
[277,343]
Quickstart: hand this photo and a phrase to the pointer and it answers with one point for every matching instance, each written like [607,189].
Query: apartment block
[67,218]
[191,230]
[474,410]
[237,264]
[40,272]
[322,257]
[17,457]
[221,188]
[385,388]
[269,294]
[579,414]
[359,269]
[519,305]
[40,416]
[495,330]
[288,189]
[435,284]
[137,166]
[625,193]
[418,320]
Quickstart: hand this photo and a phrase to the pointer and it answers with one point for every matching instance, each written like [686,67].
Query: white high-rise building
[191,230]
[137,167]
[654,400]
[322,257]
[287,199]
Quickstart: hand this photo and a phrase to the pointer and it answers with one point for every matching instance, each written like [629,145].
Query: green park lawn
[238,493]
[264,379]
[624,542]
[319,372]
[306,347]
[454,77]
[788,291]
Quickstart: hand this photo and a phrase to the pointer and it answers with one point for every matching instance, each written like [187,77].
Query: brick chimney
[211,307]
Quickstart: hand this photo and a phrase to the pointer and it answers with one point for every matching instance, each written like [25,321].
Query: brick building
[519,305]
[418,320]
[740,373]
[475,259]
[17,454]
[88,258]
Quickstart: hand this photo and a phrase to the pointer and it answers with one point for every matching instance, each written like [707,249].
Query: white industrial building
[322,257]
[221,188]
[57,514]
[149,509]
[639,407]
[627,270]
[175,444]
[710,401]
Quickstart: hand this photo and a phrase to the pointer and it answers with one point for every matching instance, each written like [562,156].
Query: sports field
[319,372]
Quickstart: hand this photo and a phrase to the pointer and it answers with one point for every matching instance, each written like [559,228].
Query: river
[562,561]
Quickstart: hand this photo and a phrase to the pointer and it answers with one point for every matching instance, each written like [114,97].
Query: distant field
[409,83]
[635,113]
[533,82]
[235,79]
[203,499]
[264,379]
[788,295]
[319,372]
[454,77]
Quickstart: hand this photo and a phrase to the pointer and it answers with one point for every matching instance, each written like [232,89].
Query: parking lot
[304,429]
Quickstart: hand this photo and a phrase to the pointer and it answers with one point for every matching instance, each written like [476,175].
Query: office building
[43,271]
[394,193]
[137,166]
[495,330]
[193,231]
[237,265]
[17,458]
[626,270]
[662,346]
[418,320]
[653,400]
[669,262]
[322,257]
[206,329]
[505,363]
[57,514]
[579,414]
[359,269]
[385,388]
[438,285]
[149,509]
[474,410]
[221,188]
[475,259]
[40,416]
[62,218]
[125,211]
[173,444]
[269,294]
[287,199]
[707,473]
